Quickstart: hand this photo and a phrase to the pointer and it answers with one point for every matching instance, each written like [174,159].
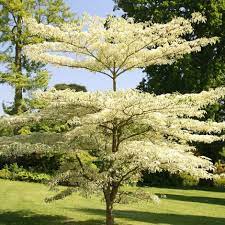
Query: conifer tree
[16,69]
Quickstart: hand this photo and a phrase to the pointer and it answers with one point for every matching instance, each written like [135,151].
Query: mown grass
[23,204]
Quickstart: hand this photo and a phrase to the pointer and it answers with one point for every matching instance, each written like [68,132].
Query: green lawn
[22,204]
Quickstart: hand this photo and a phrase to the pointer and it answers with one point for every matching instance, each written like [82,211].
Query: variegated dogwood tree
[114,46]
[113,136]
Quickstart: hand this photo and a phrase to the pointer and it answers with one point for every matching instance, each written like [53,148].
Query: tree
[113,136]
[116,135]
[195,72]
[116,48]
[75,87]
[19,72]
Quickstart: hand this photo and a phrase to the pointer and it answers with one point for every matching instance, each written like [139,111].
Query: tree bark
[18,97]
[109,213]
[17,100]
[114,84]
[111,191]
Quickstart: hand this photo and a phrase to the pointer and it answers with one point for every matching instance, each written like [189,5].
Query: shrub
[166,179]
[160,179]
[14,172]
[220,167]
[219,180]
[5,174]
[188,180]
[39,162]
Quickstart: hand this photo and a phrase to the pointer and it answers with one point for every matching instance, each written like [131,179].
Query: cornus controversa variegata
[112,136]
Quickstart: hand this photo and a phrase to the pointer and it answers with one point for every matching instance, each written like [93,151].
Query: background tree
[113,136]
[75,87]
[17,70]
[194,72]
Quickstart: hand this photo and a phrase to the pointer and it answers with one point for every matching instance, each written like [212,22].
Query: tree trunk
[114,84]
[18,97]
[110,193]
[17,100]
[109,213]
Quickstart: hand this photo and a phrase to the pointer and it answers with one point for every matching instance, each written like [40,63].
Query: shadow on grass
[160,218]
[208,200]
[194,188]
[28,218]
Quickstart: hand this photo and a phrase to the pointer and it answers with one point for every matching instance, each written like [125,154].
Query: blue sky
[90,80]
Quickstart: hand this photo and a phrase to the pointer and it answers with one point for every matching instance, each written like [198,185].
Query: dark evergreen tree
[196,71]
[75,87]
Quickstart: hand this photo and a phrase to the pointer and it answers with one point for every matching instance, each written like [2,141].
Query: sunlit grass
[23,204]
